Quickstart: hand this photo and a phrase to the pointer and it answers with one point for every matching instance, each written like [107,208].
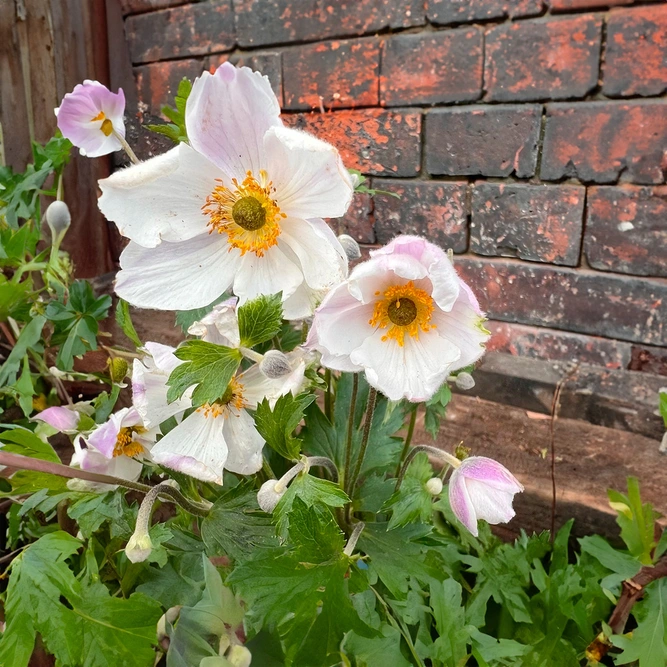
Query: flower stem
[328,397]
[126,147]
[266,469]
[370,409]
[408,439]
[433,451]
[350,430]
[352,541]
[324,462]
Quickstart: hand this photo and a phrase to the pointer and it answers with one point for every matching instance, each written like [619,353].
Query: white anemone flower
[404,317]
[239,207]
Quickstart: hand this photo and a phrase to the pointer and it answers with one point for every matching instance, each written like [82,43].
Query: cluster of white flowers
[239,209]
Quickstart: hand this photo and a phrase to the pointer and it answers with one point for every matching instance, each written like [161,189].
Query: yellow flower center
[233,397]
[403,309]
[126,445]
[107,125]
[248,214]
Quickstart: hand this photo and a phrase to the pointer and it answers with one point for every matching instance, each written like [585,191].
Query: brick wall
[530,136]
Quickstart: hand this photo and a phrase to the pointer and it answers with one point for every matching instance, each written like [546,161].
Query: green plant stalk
[328,397]
[350,432]
[408,439]
[370,409]
[446,457]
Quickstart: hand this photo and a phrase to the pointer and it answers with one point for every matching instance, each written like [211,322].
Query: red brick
[541,223]
[358,221]
[649,360]
[541,343]
[190,30]
[157,83]
[268,63]
[533,60]
[636,55]
[335,74]
[626,230]
[598,141]
[569,5]
[261,22]
[463,11]
[138,6]
[622,307]
[483,140]
[432,68]
[434,209]
[374,141]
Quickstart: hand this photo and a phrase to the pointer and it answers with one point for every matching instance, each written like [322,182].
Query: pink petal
[59,417]
[460,502]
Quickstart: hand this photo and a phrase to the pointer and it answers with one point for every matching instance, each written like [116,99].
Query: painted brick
[541,223]
[374,141]
[483,140]
[434,209]
[631,309]
[432,68]
[268,63]
[598,141]
[626,230]
[541,343]
[569,5]
[463,11]
[138,6]
[190,30]
[636,55]
[532,60]
[157,83]
[335,74]
[358,221]
[261,22]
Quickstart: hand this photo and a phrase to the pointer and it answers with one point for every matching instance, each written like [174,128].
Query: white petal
[162,356]
[302,303]
[341,332]
[244,442]
[257,387]
[195,447]
[227,115]
[177,276]
[160,199]
[220,326]
[378,273]
[308,174]
[460,502]
[490,504]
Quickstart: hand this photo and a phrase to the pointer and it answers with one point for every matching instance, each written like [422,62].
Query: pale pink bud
[59,417]
[481,488]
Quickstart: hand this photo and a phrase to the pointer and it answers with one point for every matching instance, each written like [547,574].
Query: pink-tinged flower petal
[490,504]
[87,458]
[227,115]
[491,473]
[461,503]
[220,326]
[105,436]
[59,417]
[88,114]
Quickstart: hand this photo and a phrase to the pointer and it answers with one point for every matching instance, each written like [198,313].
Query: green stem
[370,409]
[328,396]
[444,456]
[408,439]
[266,467]
[350,431]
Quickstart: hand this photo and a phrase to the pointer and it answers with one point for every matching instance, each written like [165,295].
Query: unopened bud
[139,547]
[350,246]
[58,219]
[275,365]
[268,497]
[434,486]
[663,445]
[117,369]
[170,617]
[464,381]
[239,656]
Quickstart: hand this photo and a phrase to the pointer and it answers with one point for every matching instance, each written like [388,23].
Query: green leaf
[383,650]
[412,502]
[235,526]
[124,320]
[277,426]
[648,643]
[208,366]
[175,130]
[453,635]
[435,409]
[662,406]
[91,510]
[104,404]
[25,389]
[28,339]
[12,296]
[24,442]
[186,318]
[314,533]
[491,651]
[622,564]
[260,319]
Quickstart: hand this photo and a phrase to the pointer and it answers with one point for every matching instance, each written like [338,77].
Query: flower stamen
[126,445]
[232,398]
[107,125]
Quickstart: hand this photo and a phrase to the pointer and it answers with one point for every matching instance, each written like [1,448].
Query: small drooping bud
[275,365]
[118,368]
[139,546]
[239,656]
[268,497]
[58,219]
[464,381]
[434,486]
[350,246]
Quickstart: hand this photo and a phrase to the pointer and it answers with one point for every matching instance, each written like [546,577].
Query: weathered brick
[598,141]
[541,343]
[374,141]
[358,221]
[335,74]
[636,55]
[261,22]
[268,63]
[532,60]
[649,360]
[190,30]
[541,223]
[157,83]
[138,6]
[632,309]
[569,5]
[626,230]
[483,140]
[463,11]
[432,68]
[434,209]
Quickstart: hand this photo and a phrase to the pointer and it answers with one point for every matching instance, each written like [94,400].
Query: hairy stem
[370,409]
[354,538]
[328,396]
[408,439]
[433,451]
[350,431]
